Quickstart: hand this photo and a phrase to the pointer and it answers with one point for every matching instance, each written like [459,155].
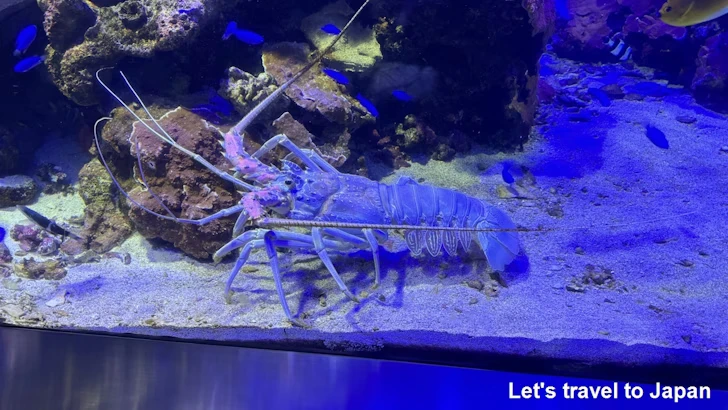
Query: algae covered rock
[85,36]
[314,91]
[50,269]
[358,50]
[17,190]
[245,91]
[104,226]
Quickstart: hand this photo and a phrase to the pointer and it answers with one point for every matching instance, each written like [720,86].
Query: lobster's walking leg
[320,161]
[371,240]
[270,240]
[259,238]
[318,243]
[240,224]
[375,254]
[283,140]
[312,160]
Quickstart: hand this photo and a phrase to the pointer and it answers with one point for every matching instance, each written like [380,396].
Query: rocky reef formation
[85,36]
[691,56]
[481,59]
[315,91]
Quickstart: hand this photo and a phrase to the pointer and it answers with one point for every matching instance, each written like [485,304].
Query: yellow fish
[683,13]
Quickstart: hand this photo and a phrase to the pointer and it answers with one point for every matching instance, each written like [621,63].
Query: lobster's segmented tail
[500,248]
[408,202]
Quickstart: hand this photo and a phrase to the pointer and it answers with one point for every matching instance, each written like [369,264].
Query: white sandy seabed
[665,298]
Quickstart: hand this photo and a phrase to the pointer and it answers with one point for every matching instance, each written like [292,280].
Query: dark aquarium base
[601,359]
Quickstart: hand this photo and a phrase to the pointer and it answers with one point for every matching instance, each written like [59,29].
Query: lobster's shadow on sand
[319,295]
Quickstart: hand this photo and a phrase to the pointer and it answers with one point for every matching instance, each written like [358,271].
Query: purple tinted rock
[652,27]
[711,73]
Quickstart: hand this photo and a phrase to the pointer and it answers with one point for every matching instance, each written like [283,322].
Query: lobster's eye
[288,182]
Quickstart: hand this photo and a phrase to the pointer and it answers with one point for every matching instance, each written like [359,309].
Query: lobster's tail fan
[501,248]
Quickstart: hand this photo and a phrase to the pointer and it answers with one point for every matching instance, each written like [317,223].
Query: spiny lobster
[345,212]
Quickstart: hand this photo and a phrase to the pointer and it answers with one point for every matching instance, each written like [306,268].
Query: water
[613,173]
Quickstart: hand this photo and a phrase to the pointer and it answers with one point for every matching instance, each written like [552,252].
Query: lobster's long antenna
[354,225]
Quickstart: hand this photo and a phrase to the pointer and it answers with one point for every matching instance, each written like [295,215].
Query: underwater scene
[544,178]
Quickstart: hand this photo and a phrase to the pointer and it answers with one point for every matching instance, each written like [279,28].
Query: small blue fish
[368,105]
[28,63]
[337,76]
[657,137]
[249,37]
[330,29]
[222,105]
[601,96]
[216,111]
[402,95]
[245,36]
[2,233]
[231,28]
[506,175]
[25,39]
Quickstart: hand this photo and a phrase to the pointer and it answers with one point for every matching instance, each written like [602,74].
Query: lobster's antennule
[123,104]
[144,180]
[166,138]
[116,182]
[144,107]
[240,127]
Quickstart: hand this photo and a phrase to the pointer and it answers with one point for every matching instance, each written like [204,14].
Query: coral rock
[587,26]
[17,190]
[314,91]
[5,255]
[186,188]
[84,37]
[710,82]
[652,27]
[245,91]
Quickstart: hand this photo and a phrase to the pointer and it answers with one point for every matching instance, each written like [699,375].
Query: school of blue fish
[23,41]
